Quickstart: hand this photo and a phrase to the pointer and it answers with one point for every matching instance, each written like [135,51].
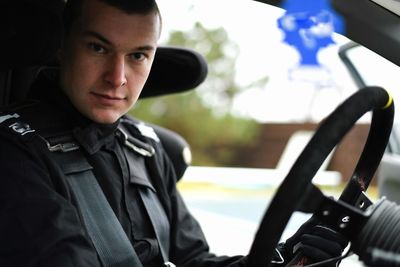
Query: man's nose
[115,74]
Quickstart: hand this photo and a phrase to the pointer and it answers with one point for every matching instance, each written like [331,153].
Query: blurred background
[256,94]
[256,110]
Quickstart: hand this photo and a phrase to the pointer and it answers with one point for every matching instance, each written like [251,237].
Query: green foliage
[211,137]
[220,87]
[202,116]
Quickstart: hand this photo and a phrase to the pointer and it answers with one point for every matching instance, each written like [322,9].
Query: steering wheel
[297,187]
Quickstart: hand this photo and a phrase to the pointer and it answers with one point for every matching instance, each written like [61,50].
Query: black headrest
[175,70]
[31,34]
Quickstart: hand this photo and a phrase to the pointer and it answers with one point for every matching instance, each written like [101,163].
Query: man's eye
[138,56]
[97,48]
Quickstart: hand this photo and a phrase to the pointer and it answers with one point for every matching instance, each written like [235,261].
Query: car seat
[31,34]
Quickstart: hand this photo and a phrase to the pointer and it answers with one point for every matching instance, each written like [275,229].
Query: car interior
[32,34]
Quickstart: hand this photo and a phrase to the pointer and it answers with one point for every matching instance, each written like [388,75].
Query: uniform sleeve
[189,246]
[38,226]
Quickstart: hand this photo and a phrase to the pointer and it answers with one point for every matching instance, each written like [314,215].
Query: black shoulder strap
[135,150]
[107,234]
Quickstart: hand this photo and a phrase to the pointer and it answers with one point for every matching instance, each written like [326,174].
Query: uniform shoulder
[28,110]
[172,143]
[26,117]
[139,129]
[13,117]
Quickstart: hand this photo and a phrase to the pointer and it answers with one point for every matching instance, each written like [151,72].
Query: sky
[293,93]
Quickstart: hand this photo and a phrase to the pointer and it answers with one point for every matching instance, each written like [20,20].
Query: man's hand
[322,243]
[315,242]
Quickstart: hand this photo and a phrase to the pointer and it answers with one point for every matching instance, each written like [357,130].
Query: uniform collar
[93,136]
[89,134]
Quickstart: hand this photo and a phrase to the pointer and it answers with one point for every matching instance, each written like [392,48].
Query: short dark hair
[73,9]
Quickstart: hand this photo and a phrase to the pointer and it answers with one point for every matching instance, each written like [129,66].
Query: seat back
[177,148]
[30,36]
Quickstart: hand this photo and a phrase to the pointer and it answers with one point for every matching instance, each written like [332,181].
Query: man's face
[106,60]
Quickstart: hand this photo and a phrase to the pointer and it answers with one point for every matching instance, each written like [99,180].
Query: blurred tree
[203,115]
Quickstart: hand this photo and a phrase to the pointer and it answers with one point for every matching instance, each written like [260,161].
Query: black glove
[322,243]
[315,242]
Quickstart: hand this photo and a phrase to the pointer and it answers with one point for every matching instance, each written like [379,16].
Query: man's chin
[105,117]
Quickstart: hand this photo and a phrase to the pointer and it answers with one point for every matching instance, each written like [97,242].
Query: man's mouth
[106,99]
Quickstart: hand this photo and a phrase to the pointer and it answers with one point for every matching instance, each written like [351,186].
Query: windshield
[257,43]
[256,75]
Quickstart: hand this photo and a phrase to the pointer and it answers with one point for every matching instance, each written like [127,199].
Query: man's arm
[39,226]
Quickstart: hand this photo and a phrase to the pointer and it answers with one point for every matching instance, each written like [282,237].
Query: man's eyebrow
[108,42]
[97,36]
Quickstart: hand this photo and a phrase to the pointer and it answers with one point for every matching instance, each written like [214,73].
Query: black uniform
[40,224]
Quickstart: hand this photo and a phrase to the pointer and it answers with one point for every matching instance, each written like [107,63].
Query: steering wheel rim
[326,137]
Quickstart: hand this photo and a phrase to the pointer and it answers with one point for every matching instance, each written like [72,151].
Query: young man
[105,59]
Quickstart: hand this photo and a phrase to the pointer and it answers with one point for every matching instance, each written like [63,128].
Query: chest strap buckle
[66,146]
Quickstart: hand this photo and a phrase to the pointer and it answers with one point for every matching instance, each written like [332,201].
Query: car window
[290,94]
[271,88]
[262,53]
